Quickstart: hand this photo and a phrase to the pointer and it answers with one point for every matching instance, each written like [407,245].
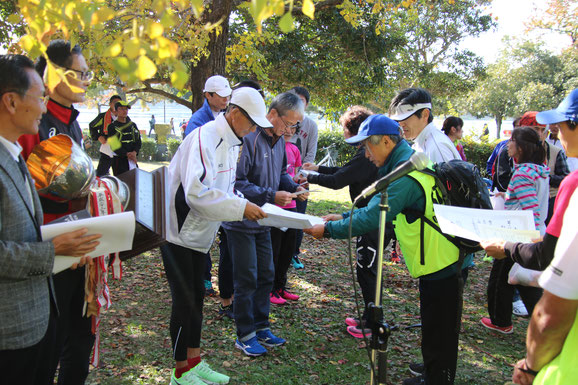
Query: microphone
[418,161]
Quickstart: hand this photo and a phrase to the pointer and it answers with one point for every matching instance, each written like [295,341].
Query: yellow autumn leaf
[146,69]
[155,30]
[113,50]
[70,9]
[179,79]
[51,76]
[27,43]
[132,48]
[308,8]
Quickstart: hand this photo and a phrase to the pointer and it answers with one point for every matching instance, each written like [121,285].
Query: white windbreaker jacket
[202,178]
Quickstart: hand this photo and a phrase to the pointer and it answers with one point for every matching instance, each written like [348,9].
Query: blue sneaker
[267,338]
[251,347]
[297,264]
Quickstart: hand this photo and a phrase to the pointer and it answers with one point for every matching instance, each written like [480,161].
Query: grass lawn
[136,347]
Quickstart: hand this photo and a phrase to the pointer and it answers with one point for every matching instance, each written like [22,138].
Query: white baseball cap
[251,101]
[218,84]
[404,111]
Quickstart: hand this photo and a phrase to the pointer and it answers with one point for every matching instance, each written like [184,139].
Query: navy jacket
[261,172]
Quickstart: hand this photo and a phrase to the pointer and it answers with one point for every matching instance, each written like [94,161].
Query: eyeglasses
[84,76]
[292,126]
[43,99]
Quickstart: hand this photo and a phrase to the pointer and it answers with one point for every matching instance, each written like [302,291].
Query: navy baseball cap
[375,125]
[567,110]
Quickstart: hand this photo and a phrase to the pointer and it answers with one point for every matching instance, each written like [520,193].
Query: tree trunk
[498,125]
[214,64]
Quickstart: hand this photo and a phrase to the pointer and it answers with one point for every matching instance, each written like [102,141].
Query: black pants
[225,267]
[208,267]
[104,164]
[74,338]
[21,366]
[440,332]
[120,165]
[283,245]
[184,268]
[366,267]
[301,208]
[501,293]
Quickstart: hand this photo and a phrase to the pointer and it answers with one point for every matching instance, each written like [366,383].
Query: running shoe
[519,309]
[350,321]
[287,295]
[417,368]
[187,378]
[487,322]
[276,299]
[208,375]
[358,332]
[251,347]
[265,337]
[297,264]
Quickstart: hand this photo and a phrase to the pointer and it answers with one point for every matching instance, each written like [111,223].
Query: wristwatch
[326,233]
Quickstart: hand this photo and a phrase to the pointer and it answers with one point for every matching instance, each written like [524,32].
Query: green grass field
[136,348]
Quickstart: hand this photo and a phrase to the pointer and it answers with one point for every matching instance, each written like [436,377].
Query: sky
[511,15]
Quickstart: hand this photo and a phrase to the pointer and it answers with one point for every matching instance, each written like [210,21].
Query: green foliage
[343,151]
[376,49]
[478,152]
[173,145]
[527,77]
[148,150]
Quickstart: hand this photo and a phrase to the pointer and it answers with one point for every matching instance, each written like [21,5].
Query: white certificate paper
[105,149]
[480,224]
[117,235]
[277,217]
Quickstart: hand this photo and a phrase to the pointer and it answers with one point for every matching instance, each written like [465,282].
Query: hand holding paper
[75,243]
[117,235]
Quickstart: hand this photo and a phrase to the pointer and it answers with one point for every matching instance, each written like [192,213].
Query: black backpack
[461,185]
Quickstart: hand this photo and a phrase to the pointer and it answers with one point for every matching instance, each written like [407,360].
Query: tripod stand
[380,330]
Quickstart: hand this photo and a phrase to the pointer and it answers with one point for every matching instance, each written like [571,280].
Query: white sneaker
[519,309]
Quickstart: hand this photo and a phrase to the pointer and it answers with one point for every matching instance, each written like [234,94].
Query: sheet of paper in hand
[480,224]
[117,234]
[277,217]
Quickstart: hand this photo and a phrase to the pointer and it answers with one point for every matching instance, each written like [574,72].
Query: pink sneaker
[350,321]
[287,295]
[487,322]
[358,332]
[276,299]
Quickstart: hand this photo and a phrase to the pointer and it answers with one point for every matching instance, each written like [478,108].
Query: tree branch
[151,90]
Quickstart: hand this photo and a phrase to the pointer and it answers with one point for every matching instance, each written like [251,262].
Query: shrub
[173,145]
[148,150]
[478,151]
[343,151]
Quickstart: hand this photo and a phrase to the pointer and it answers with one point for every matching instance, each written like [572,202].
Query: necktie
[22,167]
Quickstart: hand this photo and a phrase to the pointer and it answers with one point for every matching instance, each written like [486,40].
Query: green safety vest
[424,248]
[563,369]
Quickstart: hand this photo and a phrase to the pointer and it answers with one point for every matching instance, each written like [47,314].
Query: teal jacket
[404,193]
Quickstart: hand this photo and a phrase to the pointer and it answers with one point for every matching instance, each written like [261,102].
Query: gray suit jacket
[25,261]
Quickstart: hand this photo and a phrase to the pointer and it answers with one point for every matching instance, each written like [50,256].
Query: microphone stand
[380,330]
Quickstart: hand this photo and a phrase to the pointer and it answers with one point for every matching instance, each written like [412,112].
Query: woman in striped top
[528,190]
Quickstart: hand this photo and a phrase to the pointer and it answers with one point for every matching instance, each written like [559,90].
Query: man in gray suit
[26,262]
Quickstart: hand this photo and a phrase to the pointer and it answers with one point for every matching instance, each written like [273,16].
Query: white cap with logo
[404,111]
[218,84]
[251,101]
